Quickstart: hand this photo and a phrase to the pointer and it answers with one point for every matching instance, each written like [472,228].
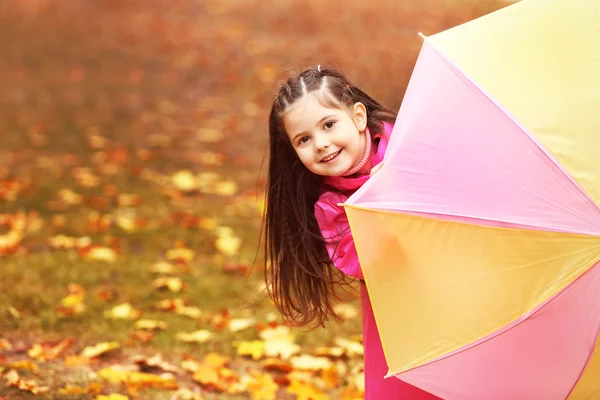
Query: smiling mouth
[331,157]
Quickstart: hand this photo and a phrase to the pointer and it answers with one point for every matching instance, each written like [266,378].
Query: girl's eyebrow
[319,122]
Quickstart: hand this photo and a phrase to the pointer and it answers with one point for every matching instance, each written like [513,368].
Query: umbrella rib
[515,121]
[472,220]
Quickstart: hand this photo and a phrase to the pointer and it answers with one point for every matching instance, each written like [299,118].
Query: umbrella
[479,238]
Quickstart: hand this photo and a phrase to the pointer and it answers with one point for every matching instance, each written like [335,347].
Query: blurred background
[132,141]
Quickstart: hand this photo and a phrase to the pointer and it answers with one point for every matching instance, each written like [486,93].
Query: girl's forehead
[308,108]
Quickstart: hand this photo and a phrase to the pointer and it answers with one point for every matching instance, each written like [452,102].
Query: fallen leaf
[262,387]
[181,254]
[93,388]
[163,267]
[226,188]
[254,348]
[346,311]
[172,283]
[215,360]
[221,319]
[334,352]
[331,377]
[123,311]
[199,336]
[184,181]
[305,391]
[49,351]
[99,349]
[24,365]
[138,379]
[149,324]
[153,364]
[351,393]
[351,348]
[113,396]
[279,342]
[5,344]
[186,394]
[12,378]
[309,363]
[239,324]
[228,245]
[99,253]
[277,365]
[144,337]
[208,377]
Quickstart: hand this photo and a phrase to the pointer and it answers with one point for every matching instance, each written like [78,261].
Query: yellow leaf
[24,365]
[70,197]
[262,387]
[236,325]
[254,348]
[279,341]
[305,391]
[226,188]
[113,396]
[345,310]
[5,344]
[199,336]
[186,394]
[184,181]
[207,376]
[123,311]
[163,267]
[335,352]
[351,393]
[102,254]
[215,360]
[183,254]
[310,363]
[139,379]
[228,245]
[352,348]
[191,312]
[14,312]
[150,324]
[93,388]
[174,284]
[99,349]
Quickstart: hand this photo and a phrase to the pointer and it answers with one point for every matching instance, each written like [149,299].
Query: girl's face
[328,141]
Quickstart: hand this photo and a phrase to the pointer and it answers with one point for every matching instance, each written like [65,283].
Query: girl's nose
[321,142]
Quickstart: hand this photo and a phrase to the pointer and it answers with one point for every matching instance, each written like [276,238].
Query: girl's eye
[303,139]
[329,124]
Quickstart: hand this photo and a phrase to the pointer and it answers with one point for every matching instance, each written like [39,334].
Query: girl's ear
[359,114]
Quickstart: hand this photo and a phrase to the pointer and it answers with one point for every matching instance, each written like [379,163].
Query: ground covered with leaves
[132,136]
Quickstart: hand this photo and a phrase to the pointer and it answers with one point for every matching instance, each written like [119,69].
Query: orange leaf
[215,360]
[49,351]
[208,377]
[262,387]
[305,391]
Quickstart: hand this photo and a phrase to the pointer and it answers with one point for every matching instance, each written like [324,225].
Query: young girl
[327,137]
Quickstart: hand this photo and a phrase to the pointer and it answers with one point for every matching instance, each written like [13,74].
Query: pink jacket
[332,218]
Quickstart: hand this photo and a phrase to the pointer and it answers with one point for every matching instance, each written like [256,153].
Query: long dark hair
[301,278]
